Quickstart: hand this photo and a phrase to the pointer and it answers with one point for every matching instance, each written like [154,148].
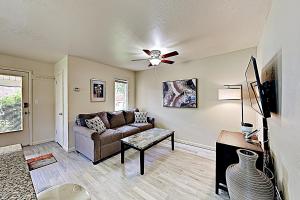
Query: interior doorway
[14,107]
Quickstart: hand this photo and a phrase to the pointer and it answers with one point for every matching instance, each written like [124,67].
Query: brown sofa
[98,146]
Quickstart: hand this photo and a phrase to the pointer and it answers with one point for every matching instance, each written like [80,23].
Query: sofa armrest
[150,120]
[84,131]
[86,142]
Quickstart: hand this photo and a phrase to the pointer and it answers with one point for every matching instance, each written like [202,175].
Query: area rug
[41,161]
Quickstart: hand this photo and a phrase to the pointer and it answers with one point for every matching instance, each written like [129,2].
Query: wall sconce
[232,92]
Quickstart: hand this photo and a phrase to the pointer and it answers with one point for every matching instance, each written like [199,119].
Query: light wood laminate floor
[181,174]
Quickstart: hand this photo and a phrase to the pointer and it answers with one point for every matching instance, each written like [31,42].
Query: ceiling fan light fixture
[154,61]
[155,57]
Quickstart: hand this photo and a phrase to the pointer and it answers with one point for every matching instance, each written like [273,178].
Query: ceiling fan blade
[167,61]
[139,59]
[174,53]
[148,52]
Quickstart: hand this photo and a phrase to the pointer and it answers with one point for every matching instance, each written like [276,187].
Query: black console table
[226,146]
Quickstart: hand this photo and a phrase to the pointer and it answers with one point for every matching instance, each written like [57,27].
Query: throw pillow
[83,117]
[96,124]
[140,117]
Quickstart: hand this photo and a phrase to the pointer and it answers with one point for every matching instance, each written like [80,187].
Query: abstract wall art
[180,93]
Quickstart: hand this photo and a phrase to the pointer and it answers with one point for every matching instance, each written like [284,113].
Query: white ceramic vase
[244,181]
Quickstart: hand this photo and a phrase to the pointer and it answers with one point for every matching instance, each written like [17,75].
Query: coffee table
[145,140]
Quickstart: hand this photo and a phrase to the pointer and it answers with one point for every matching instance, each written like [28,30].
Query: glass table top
[144,139]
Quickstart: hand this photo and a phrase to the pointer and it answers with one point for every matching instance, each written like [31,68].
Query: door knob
[60,114]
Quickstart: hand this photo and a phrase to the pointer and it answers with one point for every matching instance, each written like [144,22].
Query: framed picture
[180,93]
[97,90]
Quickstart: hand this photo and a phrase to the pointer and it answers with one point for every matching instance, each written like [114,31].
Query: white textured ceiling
[115,31]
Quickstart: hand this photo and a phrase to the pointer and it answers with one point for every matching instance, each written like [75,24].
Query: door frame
[63,107]
[30,77]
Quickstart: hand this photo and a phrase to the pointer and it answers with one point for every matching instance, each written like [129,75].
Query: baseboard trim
[43,141]
[68,149]
[71,149]
[202,146]
[65,148]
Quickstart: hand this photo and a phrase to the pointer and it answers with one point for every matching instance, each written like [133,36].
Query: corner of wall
[62,67]
[135,89]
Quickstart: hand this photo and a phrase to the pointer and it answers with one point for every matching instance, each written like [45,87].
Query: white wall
[80,71]
[43,99]
[282,34]
[203,124]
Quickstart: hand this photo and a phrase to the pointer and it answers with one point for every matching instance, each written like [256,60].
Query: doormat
[41,161]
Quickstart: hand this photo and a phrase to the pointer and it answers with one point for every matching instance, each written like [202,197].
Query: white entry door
[59,107]
[14,107]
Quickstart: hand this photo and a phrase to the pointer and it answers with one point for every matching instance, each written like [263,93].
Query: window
[121,95]
[10,103]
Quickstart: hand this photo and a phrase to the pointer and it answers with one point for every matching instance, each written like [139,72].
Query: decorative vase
[244,181]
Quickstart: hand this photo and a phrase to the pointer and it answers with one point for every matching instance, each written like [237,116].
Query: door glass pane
[121,95]
[10,103]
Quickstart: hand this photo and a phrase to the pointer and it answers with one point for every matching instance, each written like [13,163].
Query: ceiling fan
[156,58]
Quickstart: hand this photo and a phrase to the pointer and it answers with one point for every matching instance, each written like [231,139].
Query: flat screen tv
[257,92]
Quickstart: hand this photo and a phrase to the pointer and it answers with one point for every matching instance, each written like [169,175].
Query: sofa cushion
[140,117]
[142,126]
[96,124]
[128,130]
[109,136]
[82,117]
[103,117]
[129,115]
[116,119]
